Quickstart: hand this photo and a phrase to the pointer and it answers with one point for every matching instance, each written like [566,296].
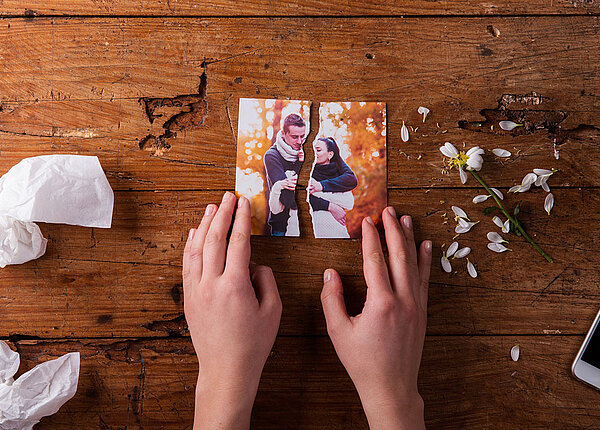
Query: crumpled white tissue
[64,189]
[37,393]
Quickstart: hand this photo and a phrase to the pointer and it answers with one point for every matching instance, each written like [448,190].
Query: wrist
[399,413]
[223,406]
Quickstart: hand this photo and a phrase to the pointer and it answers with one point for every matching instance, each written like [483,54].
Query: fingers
[376,273]
[424,262]
[215,243]
[192,261]
[332,299]
[238,251]
[265,287]
[186,272]
[402,252]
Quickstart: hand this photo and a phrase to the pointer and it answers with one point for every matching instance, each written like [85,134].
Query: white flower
[471,160]
[497,247]
[498,152]
[481,198]
[549,202]
[404,132]
[526,184]
[495,237]
[505,226]
[452,249]
[460,213]
[446,264]
[542,179]
[471,269]
[423,111]
[498,193]
[515,351]
[463,252]
[509,125]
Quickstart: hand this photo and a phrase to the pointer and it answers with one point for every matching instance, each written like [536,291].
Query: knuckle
[238,237]
[376,257]
[213,238]
[195,254]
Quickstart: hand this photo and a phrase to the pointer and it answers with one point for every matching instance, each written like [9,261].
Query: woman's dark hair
[332,146]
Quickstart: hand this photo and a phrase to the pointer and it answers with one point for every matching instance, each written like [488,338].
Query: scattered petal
[460,229]
[506,226]
[463,252]
[528,180]
[498,152]
[481,198]
[497,247]
[464,226]
[423,111]
[446,264]
[452,249]
[498,193]
[495,237]
[508,125]
[471,269]
[549,202]
[515,351]
[496,220]
[543,172]
[404,132]
[545,186]
[463,176]
[459,212]
[515,189]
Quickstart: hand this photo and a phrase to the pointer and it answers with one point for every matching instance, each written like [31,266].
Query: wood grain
[304,386]
[33,8]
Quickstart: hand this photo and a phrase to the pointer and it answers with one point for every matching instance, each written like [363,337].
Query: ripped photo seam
[348,177]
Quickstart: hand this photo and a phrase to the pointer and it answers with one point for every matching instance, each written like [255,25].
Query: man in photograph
[282,165]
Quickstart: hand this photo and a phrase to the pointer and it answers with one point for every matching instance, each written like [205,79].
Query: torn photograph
[269,158]
[349,176]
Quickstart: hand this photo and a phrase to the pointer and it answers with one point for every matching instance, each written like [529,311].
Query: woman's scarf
[287,152]
[325,171]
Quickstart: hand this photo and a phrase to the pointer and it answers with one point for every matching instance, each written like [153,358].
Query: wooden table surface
[72,75]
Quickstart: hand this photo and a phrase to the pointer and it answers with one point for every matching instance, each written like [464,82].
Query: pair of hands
[233,310]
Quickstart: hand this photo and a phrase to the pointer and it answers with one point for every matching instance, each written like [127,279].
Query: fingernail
[242,201]
[427,245]
[407,220]
[191,234]
[370,220]
[226,196]
[327,275]
[392,211]
[209,210]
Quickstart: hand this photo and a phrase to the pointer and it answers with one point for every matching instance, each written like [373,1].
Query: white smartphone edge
[580,369]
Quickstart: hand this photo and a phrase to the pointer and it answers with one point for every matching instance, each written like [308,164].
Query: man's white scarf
[287,152]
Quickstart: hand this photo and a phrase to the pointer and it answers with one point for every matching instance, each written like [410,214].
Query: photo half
[269,158]
[349,177]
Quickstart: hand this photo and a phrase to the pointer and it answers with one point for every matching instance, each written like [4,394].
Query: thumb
[265,287]
[332,299]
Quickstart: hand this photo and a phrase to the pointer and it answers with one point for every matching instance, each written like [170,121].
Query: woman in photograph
[330,190]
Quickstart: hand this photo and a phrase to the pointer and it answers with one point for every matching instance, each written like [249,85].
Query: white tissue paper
[37,393]
[64,189]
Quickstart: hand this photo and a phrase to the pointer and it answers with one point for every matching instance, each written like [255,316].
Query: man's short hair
[292,119]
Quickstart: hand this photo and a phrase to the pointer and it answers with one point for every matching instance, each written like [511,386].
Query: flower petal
[545,186]
[475,150]
[499,152]
[514,189]
[529,179]
[506,226]
[404,132]
[515,351]
[459,212]
[508,125]
[452,249]
[460,229]
[423,111]
[498,193]
[451,148]
[481,198]
[463,222]
[475,162]
[496,220]
[549,202]
[543,172]
[497,247]
[463,252]
[471,269]
[446,265]
[495,237]
[463,176]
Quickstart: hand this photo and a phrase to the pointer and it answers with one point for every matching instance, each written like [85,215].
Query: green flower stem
[516,223]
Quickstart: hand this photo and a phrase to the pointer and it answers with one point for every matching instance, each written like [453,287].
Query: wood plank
[304,386]
[72,86]
[126,281]
[32,8]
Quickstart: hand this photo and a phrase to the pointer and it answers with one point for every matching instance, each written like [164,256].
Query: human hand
[338,212]
[233,311]
[301,156]
[381,347]
[314,186]
[286,184]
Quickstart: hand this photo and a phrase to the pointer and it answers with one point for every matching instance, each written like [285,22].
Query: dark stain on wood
[104,319]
